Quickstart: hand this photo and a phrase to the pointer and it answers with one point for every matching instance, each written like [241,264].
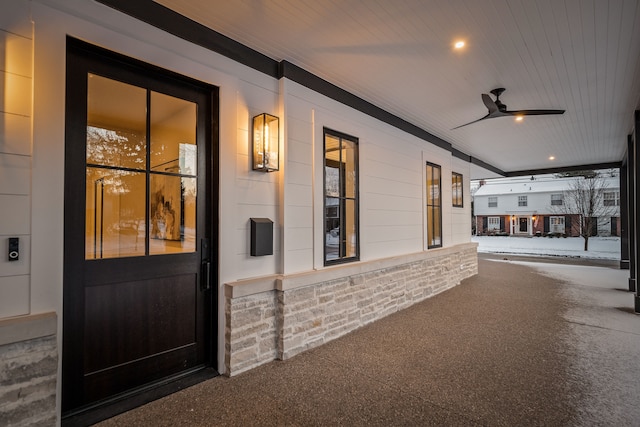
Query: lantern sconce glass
[266,143]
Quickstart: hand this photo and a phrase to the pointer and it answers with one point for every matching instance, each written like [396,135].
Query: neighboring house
[539,206]
[148,249]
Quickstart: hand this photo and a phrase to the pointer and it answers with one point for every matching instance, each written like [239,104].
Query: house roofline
[592,166]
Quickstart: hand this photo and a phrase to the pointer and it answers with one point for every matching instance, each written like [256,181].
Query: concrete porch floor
[521,343]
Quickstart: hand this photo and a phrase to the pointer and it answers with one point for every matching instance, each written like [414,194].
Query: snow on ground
[571,247]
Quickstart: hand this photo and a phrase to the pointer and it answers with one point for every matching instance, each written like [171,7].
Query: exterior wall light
[266,143]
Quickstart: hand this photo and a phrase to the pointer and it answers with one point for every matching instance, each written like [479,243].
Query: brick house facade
[538,207]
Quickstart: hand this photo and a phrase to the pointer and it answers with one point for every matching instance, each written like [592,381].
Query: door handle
[205,265]
[205,271]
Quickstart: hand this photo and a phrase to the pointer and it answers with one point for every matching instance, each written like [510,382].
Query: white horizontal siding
[461,217]
[15,134]
[391,187]
[14,296]
[14,211]
[15,94]
[15,57]
[15,174]
[15,154]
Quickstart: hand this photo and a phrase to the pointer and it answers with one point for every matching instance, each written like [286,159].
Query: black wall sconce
[266,143]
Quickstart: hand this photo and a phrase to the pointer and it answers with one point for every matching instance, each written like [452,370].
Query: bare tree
[585,196]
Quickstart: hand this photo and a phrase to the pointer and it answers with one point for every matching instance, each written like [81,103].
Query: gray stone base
[281,316]
[28,371]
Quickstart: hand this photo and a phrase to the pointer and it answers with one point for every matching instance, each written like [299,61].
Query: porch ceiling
[579,55]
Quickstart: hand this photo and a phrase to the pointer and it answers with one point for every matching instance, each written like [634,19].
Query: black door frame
[73,304]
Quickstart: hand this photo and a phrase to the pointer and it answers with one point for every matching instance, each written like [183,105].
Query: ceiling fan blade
[498,109]
[488,116]
[533,112]
[489,103]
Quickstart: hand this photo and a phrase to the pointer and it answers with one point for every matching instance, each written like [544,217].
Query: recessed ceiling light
[519,118]
[552,157]
[459,44]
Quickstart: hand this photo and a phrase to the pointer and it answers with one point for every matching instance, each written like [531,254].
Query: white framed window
[522,200]
[557,200]
[493,223]
[556,224]
[493,202]
[611,198]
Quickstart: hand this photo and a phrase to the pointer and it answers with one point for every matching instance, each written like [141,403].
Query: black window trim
[341,135]
[429,246]
[457,176]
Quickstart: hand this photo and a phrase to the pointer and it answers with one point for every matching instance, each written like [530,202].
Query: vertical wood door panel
[133,320]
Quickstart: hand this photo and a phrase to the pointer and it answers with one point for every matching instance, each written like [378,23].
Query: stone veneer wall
[251,331]
[281,316]
[28,370]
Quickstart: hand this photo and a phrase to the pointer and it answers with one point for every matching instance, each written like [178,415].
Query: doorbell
[14,248]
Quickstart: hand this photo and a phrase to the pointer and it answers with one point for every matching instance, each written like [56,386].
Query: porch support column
[631,208]
[624,210]
[633,218]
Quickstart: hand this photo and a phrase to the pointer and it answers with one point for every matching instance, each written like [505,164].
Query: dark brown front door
[524,224]
[138,305]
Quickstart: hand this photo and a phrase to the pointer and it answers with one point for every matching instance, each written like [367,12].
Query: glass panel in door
[173,170]
[123,170]
[115,176]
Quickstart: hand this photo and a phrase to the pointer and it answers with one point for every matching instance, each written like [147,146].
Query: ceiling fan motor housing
[498,91]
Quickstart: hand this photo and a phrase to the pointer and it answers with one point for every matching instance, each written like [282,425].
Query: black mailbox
[261,236]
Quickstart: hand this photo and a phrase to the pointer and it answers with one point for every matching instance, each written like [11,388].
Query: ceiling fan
[498,109]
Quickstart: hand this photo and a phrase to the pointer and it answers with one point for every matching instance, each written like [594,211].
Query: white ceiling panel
[579,55]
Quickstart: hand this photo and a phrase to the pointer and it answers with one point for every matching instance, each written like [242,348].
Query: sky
[570,247]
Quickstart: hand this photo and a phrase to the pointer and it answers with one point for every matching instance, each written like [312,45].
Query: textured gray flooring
[516,345]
